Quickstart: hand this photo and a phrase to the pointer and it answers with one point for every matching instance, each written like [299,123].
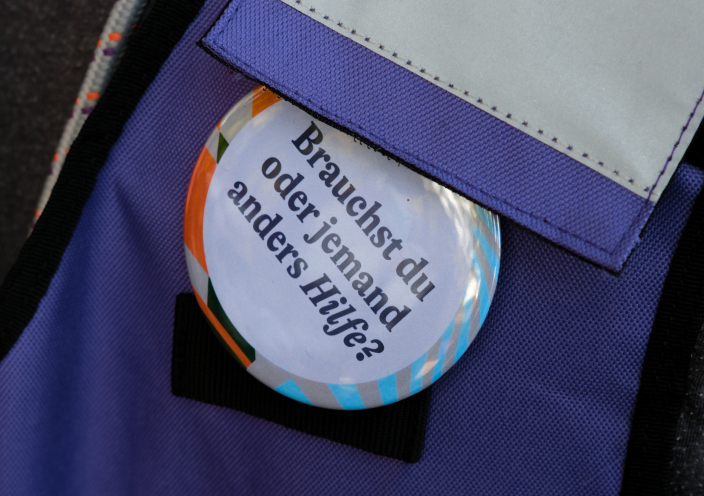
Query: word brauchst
[321,289]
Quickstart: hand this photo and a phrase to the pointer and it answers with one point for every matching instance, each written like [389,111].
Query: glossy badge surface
[336,276]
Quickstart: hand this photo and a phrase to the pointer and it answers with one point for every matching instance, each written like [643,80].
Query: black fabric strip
[695,152]
[662,390]
[29,278]
[203,370]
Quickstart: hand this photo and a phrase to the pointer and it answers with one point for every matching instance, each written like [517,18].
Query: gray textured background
[45,49]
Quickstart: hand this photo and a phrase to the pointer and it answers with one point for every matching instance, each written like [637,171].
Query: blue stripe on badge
[387,388]
[484,300]
[417,374]
[463,340]
[442,351]
[291,389]
[486,247]
[348,396]
[490,224]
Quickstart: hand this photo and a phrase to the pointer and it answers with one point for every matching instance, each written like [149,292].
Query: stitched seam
[650,190]
[454,176]
[636,219]
[390,146]
[677,143]
[478,101]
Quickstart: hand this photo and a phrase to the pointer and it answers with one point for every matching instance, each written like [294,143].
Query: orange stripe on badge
[223,333]
[195,206]
[262,99]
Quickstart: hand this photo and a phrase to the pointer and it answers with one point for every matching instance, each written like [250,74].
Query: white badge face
[336,264]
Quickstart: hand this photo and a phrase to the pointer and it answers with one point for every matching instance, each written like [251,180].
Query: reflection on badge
[334,275]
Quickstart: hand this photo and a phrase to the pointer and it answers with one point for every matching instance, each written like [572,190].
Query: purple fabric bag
[541,403]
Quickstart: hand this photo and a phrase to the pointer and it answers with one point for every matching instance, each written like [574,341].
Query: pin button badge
[334,275]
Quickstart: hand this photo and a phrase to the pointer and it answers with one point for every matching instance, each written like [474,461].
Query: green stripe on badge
[225,346]
[219,313]
[222,146]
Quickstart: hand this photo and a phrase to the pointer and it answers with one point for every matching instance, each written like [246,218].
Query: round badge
[333,274]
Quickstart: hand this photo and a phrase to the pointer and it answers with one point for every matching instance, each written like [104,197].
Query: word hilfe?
[351,324]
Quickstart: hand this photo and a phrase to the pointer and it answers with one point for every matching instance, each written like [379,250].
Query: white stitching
[451,87]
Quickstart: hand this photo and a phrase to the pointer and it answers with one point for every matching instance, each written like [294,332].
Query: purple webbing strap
[435,132]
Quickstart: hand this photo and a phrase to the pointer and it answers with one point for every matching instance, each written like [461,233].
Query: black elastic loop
[203,370]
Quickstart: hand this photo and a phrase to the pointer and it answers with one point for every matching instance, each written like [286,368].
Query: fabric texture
[110,46]
[540,403]
[203,370]
[435,132]
[663,384]
[27,281]
[45,49]
[687,468]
